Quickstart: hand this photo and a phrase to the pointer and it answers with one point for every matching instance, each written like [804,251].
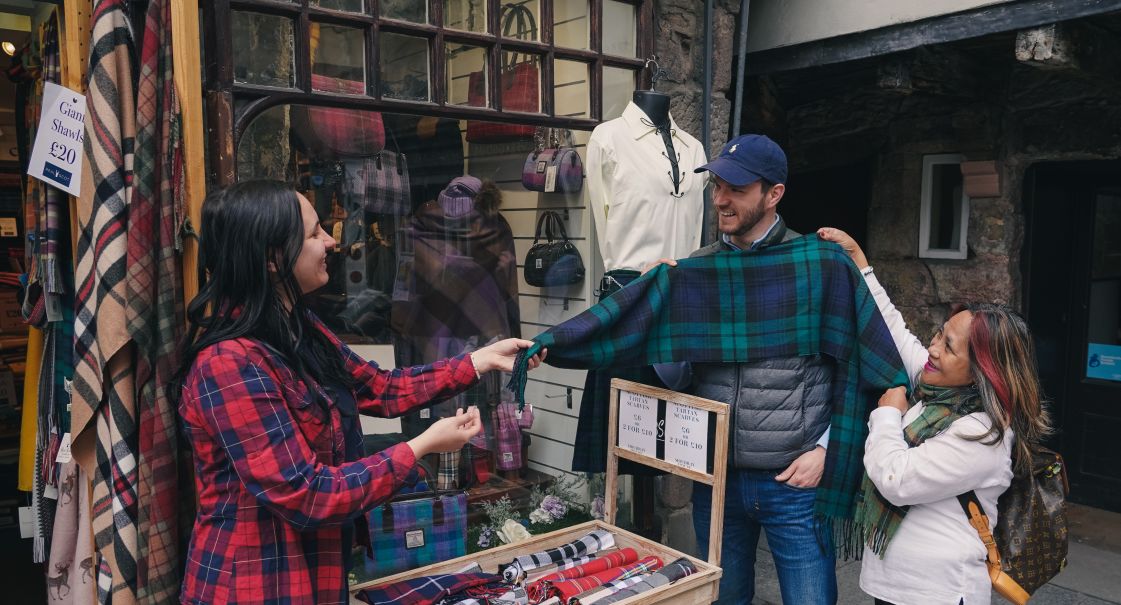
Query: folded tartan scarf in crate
[802,297]
[618,558]
[667,575]
[593,542]
[567,589]
[435,589]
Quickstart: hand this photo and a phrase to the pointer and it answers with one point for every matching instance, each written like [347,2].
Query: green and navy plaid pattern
[802,297]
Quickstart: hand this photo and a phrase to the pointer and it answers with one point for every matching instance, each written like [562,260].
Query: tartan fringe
[847,536]
[520,375]
[50,276]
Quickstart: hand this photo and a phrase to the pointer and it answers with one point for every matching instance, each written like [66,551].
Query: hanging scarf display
[802,297]
[104,412]
[879,518]
[155,305]
[70,573]
[592,543]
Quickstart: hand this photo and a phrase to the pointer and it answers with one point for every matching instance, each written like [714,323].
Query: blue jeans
[754,500]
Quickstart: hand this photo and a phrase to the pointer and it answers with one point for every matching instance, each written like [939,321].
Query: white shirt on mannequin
[638,217]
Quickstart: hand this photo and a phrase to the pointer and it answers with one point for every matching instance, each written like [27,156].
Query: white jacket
[936,557]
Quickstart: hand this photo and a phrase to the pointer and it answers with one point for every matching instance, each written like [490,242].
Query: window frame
[232,106]
[927,204]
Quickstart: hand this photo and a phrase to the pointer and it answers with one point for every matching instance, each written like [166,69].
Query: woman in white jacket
[975,412]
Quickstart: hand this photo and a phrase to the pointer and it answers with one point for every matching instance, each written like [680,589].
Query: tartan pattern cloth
[268,473]
[427,590]
[606,590]
[878,518]
[667,575]
[618,558]
[444,537]
[155,305]
[52,203]
[594,542]
[103,413]
[567,589]
[801,297]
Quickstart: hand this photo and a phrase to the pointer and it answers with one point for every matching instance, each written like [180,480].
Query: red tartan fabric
[271,497]
[603,562]
[570,588]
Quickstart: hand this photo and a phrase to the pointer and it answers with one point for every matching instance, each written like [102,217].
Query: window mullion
[302,48]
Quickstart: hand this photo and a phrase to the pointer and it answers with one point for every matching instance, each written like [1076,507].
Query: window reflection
[263,45]
[404,67]
[619,26]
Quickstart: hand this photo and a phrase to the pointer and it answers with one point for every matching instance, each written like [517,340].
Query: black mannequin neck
[654,104]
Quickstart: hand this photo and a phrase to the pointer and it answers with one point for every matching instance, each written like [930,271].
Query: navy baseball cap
[748,158]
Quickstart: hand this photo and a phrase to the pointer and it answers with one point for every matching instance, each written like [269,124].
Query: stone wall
[1012,113]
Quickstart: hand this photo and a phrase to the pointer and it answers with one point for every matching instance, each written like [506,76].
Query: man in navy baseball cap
[748,180]
[748,158]
[776,464]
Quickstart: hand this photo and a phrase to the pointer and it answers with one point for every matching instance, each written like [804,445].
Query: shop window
[264,47]
[619,18]
[944,218]
[350,6]
[618,84]
[404,67]
[466,15]
[404,10]
[338,59]
[467,75]
[571,88]
[570,23]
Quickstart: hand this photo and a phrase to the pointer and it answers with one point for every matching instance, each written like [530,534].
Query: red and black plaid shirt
[272,488]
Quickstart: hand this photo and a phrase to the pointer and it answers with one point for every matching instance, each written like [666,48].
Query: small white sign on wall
[57,155]
[638,419]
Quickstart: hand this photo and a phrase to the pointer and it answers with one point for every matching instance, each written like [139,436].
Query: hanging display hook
[655,74]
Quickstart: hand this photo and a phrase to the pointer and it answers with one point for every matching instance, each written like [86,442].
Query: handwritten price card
[638,421]
[57,155]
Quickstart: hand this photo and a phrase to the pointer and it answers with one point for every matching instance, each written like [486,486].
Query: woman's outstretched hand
[447,434]
[500,355]
[846,241]
[895,398]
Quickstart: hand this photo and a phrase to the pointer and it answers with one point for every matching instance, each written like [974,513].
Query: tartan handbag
[386,177]
[331,132]
[1030,543]
[519,82]
[552,167]
[554,262]
[417,529]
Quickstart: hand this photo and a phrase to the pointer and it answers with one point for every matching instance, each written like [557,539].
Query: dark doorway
[831,197]
[1072,293]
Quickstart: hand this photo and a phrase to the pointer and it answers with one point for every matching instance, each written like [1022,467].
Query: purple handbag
[554,168]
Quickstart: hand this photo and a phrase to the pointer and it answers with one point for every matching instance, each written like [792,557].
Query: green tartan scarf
[802,297]
[880,519]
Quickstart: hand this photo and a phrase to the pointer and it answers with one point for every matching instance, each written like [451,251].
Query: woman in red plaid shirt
[263,389]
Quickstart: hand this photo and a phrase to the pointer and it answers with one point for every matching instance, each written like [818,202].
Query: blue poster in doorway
[1103,361]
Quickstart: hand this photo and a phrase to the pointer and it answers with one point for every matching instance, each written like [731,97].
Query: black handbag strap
[517,23]
[561,233]
[401,161]
[430,494]
[544,226]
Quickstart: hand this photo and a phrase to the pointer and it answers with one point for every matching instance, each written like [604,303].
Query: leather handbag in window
[555,261]
[1030,543]
[553,166]
[418,529]
[333,132]
[519,82]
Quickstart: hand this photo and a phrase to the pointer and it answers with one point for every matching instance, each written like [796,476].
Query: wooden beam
[74,61]
[188,84]
[1006,17]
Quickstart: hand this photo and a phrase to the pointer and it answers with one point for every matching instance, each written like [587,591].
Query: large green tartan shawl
[802,297]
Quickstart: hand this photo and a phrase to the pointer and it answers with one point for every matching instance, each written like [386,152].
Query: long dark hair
[1005,373]
[251,235]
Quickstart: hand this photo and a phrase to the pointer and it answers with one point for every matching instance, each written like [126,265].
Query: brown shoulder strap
[980,522]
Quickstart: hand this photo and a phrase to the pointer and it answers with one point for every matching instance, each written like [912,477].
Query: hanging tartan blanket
[802,297]
[104,425]
[155,305]
[592,543]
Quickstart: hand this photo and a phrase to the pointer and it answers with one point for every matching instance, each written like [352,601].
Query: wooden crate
[701,587]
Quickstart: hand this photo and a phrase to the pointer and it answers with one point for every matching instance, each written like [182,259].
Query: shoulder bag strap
[541,223]
[980,522]
[561,231]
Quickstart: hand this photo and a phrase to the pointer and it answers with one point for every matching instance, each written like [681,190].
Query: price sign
[57,156]
[687,436]
[638,418]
